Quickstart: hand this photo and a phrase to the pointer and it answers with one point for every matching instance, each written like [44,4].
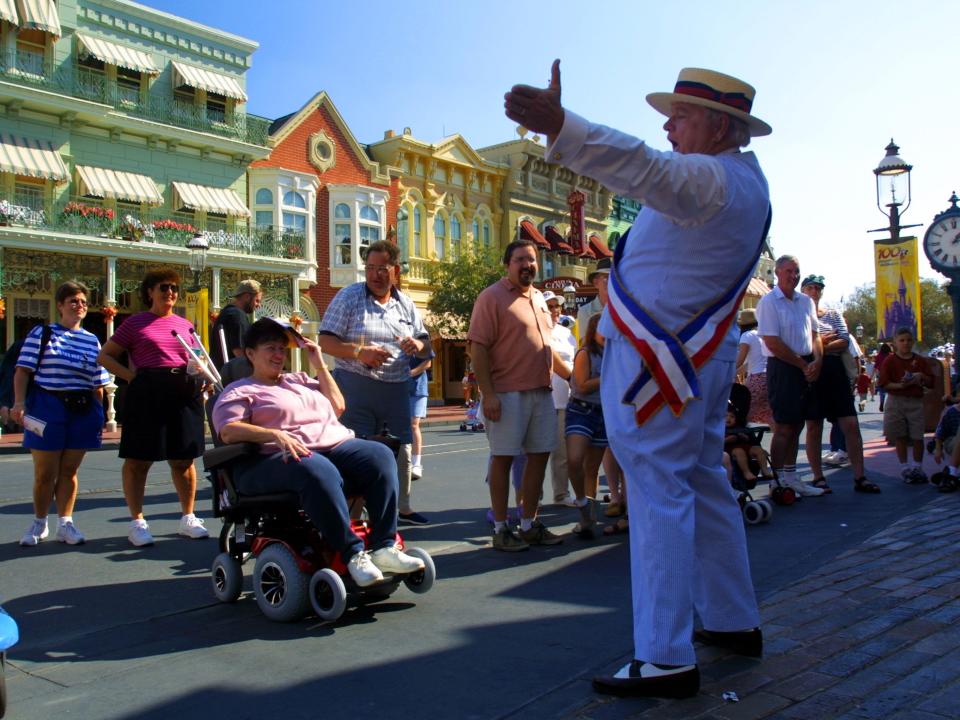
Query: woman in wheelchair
[305,449]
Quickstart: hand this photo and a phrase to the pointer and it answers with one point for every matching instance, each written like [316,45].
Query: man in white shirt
[787,323]
[673,295]
[565,345]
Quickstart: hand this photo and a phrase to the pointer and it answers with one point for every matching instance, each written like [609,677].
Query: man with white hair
[674,291]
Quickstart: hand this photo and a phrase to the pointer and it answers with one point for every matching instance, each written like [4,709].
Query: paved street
[859,599]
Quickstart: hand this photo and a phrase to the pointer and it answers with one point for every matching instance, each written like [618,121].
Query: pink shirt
[149,340]
[294,405]
[517,332]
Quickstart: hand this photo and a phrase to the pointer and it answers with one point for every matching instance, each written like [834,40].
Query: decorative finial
[954,199]
[521,131]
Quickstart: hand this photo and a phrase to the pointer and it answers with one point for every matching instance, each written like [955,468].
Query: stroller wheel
[783,495]
[279,585]
[767,508]
[328,594]
[463,427]
[227,578]
[422,580]
[752,513]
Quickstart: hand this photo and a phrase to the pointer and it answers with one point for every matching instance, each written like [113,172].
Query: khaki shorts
[903,417]
[528,423]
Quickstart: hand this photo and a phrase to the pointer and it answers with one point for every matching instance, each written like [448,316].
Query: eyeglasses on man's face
[169,287]
[77,302]
[378,269]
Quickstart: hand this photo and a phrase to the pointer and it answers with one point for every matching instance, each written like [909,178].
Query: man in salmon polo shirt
[510,332]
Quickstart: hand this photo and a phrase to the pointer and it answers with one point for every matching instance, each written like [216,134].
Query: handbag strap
[45,336]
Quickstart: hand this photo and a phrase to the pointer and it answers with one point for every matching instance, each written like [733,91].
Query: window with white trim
[417,232]
[369,228]
[341,231]
[357,221]
[439,235]
[455,237]
[403,232]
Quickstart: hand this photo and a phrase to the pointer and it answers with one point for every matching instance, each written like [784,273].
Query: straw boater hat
[713,90]
[747,316]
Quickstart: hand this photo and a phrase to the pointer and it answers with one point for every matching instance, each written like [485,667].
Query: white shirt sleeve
[688,188]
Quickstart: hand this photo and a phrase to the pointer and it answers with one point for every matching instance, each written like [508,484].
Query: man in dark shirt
[235,321]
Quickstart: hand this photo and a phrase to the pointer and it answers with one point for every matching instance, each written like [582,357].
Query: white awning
[210,199]
[119,55]
[34,158]
[40,15]
[757,287]
[8,11]
[207,80]
[103,182]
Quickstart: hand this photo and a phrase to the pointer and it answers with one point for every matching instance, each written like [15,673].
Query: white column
[111,301]
[215,290]
[295,304]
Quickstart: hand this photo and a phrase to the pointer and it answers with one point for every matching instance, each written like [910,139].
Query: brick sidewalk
[872,634]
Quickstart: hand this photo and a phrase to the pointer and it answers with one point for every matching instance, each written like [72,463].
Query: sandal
[614,509]
[948,484]
[821,482]
[587,533]
[863,485]
[620,527]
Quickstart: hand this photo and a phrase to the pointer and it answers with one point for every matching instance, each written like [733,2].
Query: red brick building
[319,180]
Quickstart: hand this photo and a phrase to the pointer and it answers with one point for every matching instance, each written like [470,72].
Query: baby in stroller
[742,443]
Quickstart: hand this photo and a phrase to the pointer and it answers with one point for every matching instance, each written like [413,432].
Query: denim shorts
[586,419]
[64,430]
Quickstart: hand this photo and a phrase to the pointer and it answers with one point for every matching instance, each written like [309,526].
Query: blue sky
[836,80]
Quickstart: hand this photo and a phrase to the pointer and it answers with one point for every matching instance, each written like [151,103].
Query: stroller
[754,511]
[472,421]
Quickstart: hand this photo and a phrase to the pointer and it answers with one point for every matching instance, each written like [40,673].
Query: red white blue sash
[671,360]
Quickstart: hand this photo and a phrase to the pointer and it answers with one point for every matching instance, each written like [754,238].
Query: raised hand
[537,109]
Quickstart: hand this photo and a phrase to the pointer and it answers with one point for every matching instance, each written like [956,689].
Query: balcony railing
[85,217]
[79,82]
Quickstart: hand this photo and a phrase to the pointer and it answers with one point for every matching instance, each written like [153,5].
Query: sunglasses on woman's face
[169,287]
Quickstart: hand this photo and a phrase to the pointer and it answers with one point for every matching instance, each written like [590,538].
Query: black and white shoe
[644,679]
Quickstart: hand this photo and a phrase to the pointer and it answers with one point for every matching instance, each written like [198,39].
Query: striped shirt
[69,360]
[149,340]
[793,320]
[355,316]
[832,322]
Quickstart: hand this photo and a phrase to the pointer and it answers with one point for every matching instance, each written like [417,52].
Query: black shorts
[832,395]
[162,416]
[788,392]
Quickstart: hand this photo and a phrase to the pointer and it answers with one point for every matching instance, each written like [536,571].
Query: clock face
[942,243]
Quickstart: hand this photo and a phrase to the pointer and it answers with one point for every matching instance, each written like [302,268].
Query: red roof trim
[528,231]
[557,241]
[599,247]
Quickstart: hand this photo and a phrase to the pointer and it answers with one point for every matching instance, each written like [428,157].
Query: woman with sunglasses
[163,408]
[58,398]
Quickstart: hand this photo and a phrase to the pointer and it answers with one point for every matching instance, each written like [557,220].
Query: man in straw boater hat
[674,291]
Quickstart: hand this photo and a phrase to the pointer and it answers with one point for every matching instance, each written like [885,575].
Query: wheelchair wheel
[280,587]
[328,595]
[227,578]
[752,513]
[767,508]
[422,580]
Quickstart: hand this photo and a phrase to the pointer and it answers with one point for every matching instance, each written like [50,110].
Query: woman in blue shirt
[58,398]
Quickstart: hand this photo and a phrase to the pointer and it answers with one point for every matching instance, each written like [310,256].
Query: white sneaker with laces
[802,489]
[192,527]
[840,457]
[362,569]
[37,532]
[68,533]
[139,534]
[393,560]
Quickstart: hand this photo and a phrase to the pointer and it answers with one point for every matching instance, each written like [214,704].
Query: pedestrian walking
[58,398]
[707,203]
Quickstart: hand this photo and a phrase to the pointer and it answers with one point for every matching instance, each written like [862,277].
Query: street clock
[941,242]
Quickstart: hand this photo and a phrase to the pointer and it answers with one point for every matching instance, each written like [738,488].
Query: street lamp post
[570,298]
[859,332]
[893,190]
[198,247]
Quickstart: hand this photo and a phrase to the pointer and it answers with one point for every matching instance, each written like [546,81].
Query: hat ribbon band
[738,101]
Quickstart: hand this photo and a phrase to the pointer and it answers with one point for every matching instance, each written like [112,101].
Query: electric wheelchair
[295,569]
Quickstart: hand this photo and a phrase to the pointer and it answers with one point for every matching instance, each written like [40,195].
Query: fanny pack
[77,402]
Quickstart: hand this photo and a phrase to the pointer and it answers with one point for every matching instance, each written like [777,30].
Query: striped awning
[119,55]
[757,287]
[207,80]
[106,183]
[8,11]
[210,199]
[528,231]
[599,247]
[39,15]
[34,158]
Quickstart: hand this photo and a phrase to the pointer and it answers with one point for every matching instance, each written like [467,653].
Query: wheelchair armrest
[226,454]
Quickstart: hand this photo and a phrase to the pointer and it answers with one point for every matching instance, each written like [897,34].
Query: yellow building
[449,198]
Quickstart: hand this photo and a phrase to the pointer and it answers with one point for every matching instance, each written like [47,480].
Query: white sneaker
[567,500]
[829,457]
[392,560]
[416,472]
[37,532]
[192,527]
[68,533]
[840,458]
[362,569]
[802,489]
[139,534]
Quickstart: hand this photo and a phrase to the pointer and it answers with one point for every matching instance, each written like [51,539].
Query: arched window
[403,232]
[294,199]
[341,232]
[455,234]
[369,213]
[264,197]
[476,231]
[547,269]
[342,212]
[417,234]
[439,236]
[486,234]
[369,228]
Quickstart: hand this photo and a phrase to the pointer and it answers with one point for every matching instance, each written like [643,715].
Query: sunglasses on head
[169,287]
